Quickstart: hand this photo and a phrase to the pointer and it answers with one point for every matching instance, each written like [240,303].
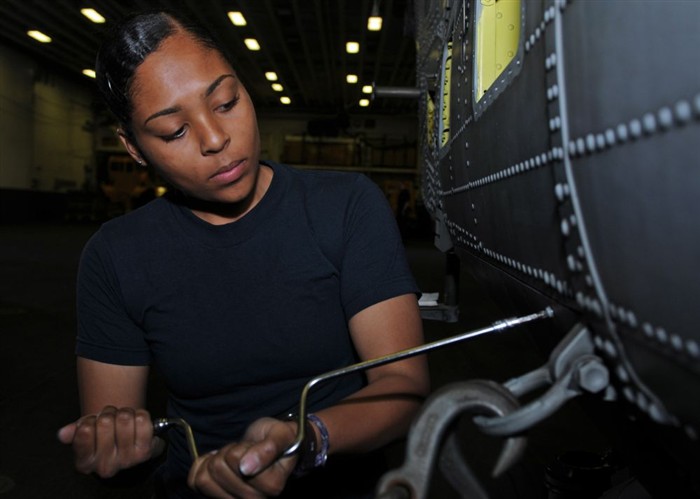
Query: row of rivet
[539,30]
[556,153]
[549,278]
[664,119]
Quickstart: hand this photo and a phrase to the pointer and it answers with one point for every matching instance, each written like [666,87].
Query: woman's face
[195,123]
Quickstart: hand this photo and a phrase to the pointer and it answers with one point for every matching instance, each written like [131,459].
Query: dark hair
[127,46]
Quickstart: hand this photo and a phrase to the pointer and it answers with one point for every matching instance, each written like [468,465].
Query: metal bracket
[572,369]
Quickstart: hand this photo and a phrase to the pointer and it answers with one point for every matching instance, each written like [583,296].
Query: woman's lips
[229,173]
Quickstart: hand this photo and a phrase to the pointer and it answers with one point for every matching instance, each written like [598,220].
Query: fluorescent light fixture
[285,100]
[364,102]
[351,78]
[93,15]
[252,44]
[271,76]
[374,23]
[352,47]
[39,36]
[277,87]
[367,89]
[237,18]
[89,72]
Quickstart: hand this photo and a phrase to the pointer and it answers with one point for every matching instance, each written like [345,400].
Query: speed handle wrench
[403,354]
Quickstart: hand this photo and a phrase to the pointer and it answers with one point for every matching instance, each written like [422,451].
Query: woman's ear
[130,147]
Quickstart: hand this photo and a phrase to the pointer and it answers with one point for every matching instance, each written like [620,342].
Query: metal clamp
[425,439]
[572,369]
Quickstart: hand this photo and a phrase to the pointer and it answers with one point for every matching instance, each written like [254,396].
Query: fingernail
[249,465]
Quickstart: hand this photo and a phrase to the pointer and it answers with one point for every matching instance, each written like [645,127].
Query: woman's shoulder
[137,225]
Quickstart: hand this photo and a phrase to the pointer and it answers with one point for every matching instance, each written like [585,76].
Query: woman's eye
[229,105]
[174,136]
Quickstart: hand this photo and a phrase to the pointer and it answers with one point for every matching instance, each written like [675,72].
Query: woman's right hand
[113,440]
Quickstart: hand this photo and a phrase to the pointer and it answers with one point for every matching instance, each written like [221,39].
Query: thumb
[65,435]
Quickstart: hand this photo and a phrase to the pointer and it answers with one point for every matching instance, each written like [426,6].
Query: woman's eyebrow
[175,109]
[216,83]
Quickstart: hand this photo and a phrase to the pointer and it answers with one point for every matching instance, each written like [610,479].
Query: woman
[246,282]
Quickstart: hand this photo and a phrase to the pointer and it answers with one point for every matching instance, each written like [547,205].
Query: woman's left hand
[250,469]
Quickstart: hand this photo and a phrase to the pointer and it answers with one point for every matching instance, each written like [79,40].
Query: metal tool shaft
[403,354]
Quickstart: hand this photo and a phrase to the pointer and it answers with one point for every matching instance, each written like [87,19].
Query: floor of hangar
[38,395]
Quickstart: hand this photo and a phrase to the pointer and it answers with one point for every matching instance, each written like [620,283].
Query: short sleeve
[374,265]
[106,333]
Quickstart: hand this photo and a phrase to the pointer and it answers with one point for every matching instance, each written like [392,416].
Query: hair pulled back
[127,46]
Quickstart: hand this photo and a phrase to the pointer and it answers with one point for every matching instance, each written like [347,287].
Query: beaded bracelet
[309,456]
[322,453]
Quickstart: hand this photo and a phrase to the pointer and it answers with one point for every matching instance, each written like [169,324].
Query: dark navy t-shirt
[238,317]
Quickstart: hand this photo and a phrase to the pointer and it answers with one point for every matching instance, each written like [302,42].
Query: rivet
[581,251]
[589,280]
[649,122]
[665,118]
[676,342]
[527,46]
[692,347]
[655,413]
[532,39]
[622,374]
[590,142]
[635,129]
[622,133]
[580,299]
[538,33]
[610,137]
[691,432]
[597,308]
[560,192]
[473,207]
[661,335]
[632,319]
[628,393]
[613,311]
[573,221]
[642,402]
[565,228]
[580,146]
[571,263]
[600,141]
[648,329]
[599,343]
[610,348]
[683,112]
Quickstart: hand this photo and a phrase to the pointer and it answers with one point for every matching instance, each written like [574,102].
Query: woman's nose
[214,137]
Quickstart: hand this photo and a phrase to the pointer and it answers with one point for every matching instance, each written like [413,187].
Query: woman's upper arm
[103,384]
[388,327]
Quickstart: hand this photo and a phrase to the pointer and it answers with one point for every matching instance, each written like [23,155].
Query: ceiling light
[237,18]
[271,76]
[367,89]
[252,44]
[93,15]
[374,22]
[352,47]
[351,78]
[277,87]
[39,36]
[89,72]
[285,100]
[364,102]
